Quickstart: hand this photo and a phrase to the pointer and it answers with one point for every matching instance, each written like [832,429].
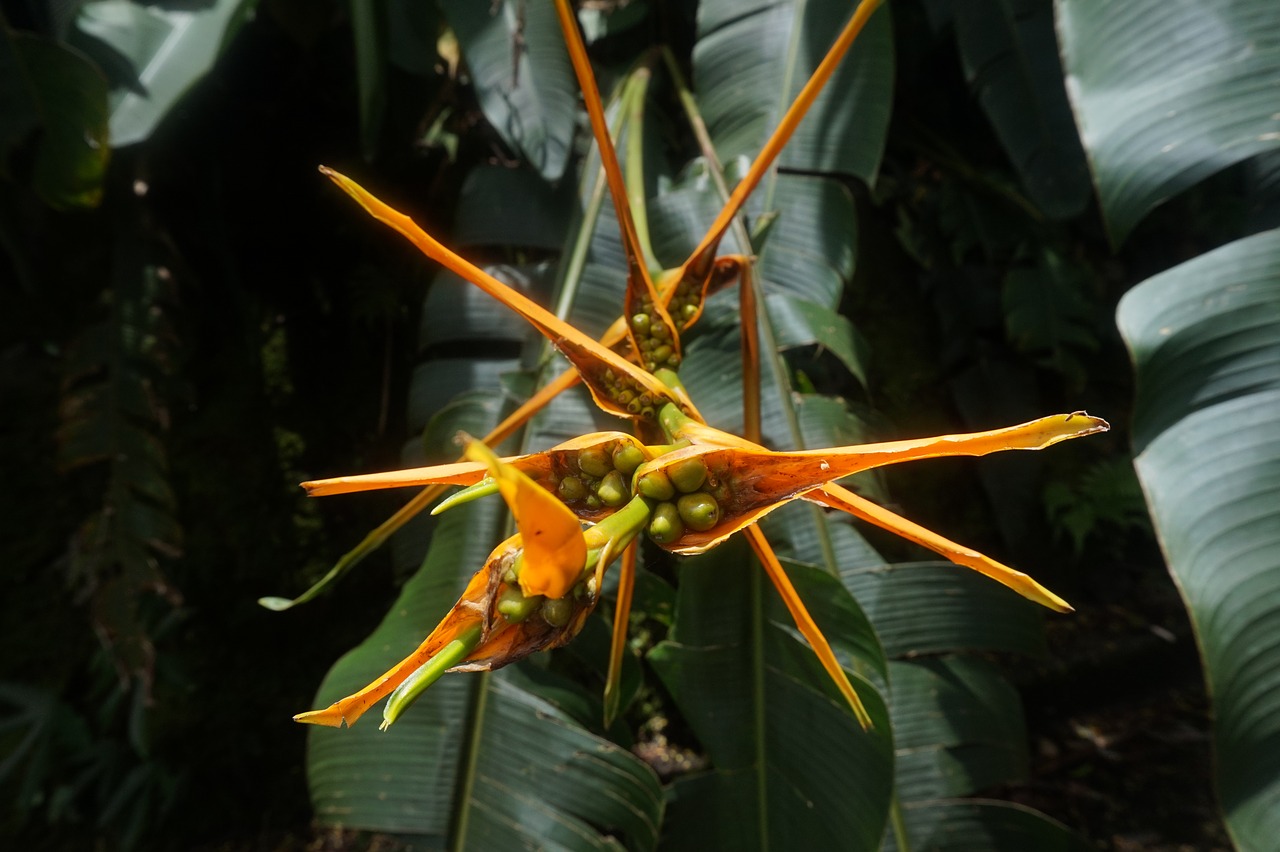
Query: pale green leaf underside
[168,49]
[1166,94]
[1205,337]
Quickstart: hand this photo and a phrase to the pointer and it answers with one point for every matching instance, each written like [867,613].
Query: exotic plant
[676,480]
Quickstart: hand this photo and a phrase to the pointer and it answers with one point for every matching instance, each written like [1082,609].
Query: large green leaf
[1205,338]
[522,75]
[790,766]
[165,49]
[1166,94]
[752,59]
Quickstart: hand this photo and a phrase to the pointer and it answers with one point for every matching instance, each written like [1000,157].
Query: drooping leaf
[1166,95]
[1010,59]
[1205,339]
[522,76]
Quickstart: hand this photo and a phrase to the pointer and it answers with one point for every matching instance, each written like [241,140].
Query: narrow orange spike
[701,258]
[804,621]
[594,362]
[618,644]
[840,498]
[642,297]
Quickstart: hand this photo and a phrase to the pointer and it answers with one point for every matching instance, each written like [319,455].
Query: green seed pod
[660,331]
[571,489]
[557,612]
[593,502]
[673,360]
[655,486]
[665,526]
[515,607]
[613,490]
[627,457]
[699,511]
[687,475]
[626,396]
[634,406]
[688,311]
[593,461]
[662,353]
[640,322]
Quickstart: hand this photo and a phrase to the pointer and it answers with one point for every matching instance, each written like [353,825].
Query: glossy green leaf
[752,59]
[798,322]
[937,607]
[1010,59]
[975,825]
[1167,94]
[167,50]
[958,728]
[1205,339]
[522,75]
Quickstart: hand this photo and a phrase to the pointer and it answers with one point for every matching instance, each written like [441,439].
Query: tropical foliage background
[1000,209]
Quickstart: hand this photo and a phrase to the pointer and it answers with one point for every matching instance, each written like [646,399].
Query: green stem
[633,99]
[428,673]
[617,530]
[900,836]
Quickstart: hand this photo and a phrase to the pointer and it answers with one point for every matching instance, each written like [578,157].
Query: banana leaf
[1205,339]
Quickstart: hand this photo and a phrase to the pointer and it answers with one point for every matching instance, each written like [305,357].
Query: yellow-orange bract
[687,484]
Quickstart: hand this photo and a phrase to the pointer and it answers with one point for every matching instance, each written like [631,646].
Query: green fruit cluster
[684,501]
[600,477]
[657,349]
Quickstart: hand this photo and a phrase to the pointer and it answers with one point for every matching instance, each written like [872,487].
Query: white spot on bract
[824,466]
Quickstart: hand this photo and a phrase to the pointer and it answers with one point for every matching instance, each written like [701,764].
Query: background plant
[982,289]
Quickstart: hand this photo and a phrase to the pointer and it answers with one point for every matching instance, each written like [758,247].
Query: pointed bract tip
[330,717]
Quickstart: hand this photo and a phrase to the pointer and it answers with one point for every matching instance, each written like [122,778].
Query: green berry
[594,461]
[571,489]
[613,490]
[627,457]
[557,612]
[640,322]
[665,526]
[699,511]
[514,606]
[661,354]
[687,475]
[655,485]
